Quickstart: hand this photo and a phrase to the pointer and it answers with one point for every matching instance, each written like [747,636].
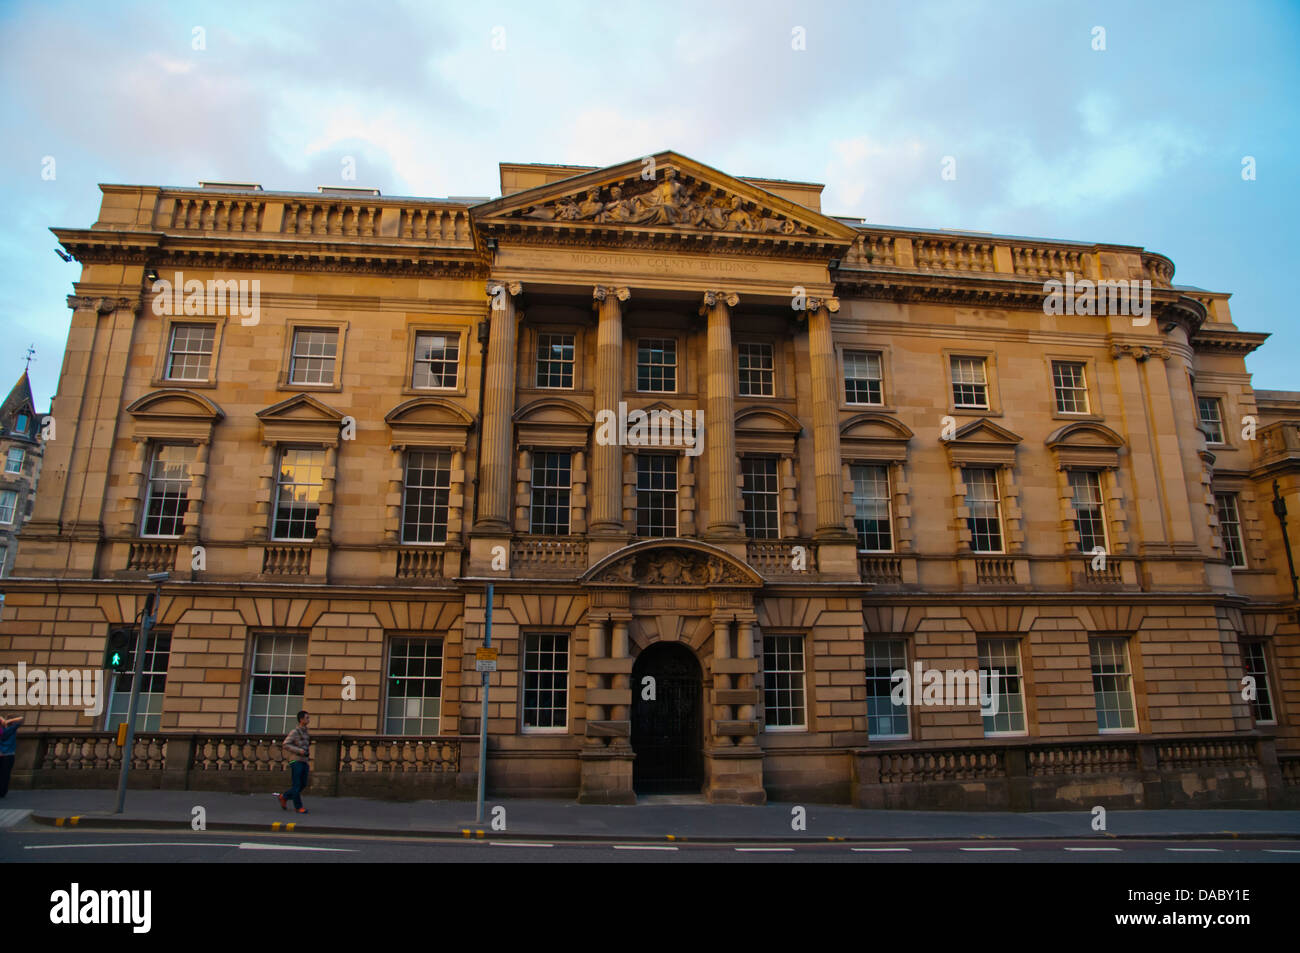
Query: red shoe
[303,810]
[284,805]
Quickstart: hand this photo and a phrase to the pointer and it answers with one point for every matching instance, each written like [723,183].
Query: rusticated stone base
[606,776]
[735,775]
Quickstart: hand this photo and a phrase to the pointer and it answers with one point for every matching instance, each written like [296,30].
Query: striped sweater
[299,740]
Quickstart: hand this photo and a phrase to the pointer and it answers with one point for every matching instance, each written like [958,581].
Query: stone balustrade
[547,555]
[1038,774]
[287,560]
[146,556]
[421,562]
[776,558]
[880,570]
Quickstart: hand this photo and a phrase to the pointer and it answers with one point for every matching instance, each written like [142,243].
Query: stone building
[21,451]
[730,463]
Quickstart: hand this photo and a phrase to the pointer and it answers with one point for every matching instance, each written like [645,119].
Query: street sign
[485,660]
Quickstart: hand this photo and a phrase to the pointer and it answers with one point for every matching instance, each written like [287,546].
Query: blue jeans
[300,776]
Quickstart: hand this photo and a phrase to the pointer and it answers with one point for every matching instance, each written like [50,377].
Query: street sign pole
[483,717]
[137,676]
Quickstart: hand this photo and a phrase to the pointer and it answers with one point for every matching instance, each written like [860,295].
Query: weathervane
[31,349]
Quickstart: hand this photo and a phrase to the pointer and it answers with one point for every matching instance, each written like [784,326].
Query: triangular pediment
[667,193]
[301,407]
[985,431]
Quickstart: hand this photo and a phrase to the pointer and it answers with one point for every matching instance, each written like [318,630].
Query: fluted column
[720,415]
[498,406]
[826,420]
[606,463]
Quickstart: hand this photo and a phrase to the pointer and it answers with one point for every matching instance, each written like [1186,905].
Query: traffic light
[118,649]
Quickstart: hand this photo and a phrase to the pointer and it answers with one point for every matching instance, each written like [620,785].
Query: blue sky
[1140,143]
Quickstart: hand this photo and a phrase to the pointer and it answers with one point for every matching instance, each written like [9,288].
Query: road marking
[1094,848]
[192,843]
[516,843]
[764,850]
[251,846]
[1271,850]
[988,848]
[882,850]
[642,847]
[13,816]
[1195,850]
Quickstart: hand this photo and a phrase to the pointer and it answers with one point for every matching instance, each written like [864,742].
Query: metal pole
[137,676]
[483,717]
[1279,509]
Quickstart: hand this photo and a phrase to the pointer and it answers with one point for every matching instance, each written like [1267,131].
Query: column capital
[831,304]
[1139,352]
[713,298]
[600,292]
[512,288]
[102,305]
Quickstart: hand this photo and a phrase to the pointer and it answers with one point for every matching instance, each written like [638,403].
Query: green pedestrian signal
[118,648]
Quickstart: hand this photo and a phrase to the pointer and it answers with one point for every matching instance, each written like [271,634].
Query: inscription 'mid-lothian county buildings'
[907,463]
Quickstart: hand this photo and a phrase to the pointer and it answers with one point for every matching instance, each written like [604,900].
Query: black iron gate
[666,731]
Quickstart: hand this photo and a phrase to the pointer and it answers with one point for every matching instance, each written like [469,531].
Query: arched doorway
[667,733]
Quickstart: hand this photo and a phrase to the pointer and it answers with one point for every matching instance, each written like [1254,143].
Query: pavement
[666,818]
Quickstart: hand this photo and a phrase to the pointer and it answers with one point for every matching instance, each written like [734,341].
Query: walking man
[298,747]
[8,748]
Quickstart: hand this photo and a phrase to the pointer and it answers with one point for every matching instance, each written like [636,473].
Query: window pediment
[553,422]
[301,419]
[983,442]
[429,421]
[174,414]
[766,430]
[874,436]
[1085,444]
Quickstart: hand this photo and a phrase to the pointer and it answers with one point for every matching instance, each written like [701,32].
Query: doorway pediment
[677,563]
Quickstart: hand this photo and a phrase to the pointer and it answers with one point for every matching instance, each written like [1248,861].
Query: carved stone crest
[667,201]
[673,567]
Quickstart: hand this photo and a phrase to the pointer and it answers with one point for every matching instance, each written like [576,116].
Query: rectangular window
[297,493]
[425,497]
[1234,548]
[871,510]
[783,683]
[14,460]
[656,495]
[437,361]
[757,377]
[276,686]
[863,382]
[153,684]
[1070,386]
[4,557]
[414,687]
[20,425]
[167,497]
[555,361]
[552,486]
[1255,663]
[190,356]
[656,365]
[8,503]
[970,385]
[1112,685]
[1089,511]
[985,520]
[314,353]
[1210,411]
[884,657]
[761,496]
[1003,657]
[546,681]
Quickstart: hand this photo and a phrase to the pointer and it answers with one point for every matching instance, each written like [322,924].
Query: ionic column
[498,406]
[606,494]
[826,420]
[720,416]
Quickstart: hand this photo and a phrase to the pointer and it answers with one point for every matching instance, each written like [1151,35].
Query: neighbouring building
[729,463]
[21,452]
